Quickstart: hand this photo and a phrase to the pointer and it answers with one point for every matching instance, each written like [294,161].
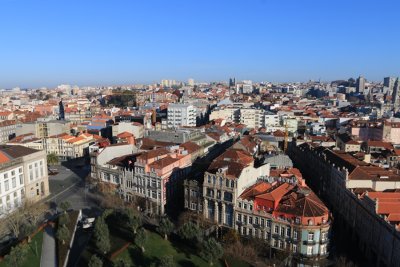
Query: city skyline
[103,43]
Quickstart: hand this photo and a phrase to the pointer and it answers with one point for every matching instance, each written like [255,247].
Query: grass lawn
[156,247]
[33,259]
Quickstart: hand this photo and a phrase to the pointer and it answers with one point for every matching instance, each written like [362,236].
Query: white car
[86,225]
[89,220]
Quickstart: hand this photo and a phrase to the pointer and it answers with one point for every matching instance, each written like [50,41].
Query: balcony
[309,242]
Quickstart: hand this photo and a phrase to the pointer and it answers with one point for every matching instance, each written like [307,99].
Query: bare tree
[14,221]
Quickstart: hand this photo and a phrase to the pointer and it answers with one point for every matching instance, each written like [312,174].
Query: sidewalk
[48,257]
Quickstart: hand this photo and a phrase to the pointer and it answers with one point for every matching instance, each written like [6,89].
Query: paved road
[69,185]
[48,257]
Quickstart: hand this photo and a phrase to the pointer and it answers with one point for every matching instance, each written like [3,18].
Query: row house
[338,177]
[66,146]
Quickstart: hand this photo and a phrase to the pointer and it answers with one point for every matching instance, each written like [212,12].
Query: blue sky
[95,42]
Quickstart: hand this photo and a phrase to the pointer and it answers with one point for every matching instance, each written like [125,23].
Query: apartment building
[181,115]
[252,118]
[43,128]
[157,177]
[287,215]
[67,146]
[7,130]
[340,179]
[226,178]
[23,177]
[229,114]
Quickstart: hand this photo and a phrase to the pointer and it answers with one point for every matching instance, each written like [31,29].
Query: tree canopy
[102,235]
[165,227]
[211,250]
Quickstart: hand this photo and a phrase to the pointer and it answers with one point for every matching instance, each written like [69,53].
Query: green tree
[167,261]
[63,219]
[17,256]
[190,232]
[122,263]
[165,227]
[141,238]
[134,223]
[211,250]
[65,205]
[95,262]
[52,159]
[102,235]
[63,234]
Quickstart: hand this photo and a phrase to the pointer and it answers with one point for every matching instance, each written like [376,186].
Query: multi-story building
[339,179]
[137,129]
[99,157]
[181,115]
[44,128]
[252,118]
[226,178]
[66,146]
[286,215]
[23,177]
[229,114]
[7,131]
[157,177]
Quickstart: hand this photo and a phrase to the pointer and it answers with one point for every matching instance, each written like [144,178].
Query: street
[69,185]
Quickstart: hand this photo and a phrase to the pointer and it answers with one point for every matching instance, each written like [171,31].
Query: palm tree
[52,159]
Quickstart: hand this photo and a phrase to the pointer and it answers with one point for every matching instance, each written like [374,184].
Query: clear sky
[94,42]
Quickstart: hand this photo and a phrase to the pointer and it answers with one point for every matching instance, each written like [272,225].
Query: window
[324,236]
[256,220]
[209,179]
[14,182]
[310,236]
[244,219]
[309,250]
[6,186]
[294,248]
[262,222]
[21,179]
[239,217]
[276,229]
[220,181]
[12,173]
[240,204]
[245,206]
[227,183]
[232,184]
[288,232]
[193,205]
[250,220]
[282,231]
[281,244]
[323,249]
[294,234]
[268,223]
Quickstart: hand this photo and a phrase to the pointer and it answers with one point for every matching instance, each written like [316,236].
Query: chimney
[367,158]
